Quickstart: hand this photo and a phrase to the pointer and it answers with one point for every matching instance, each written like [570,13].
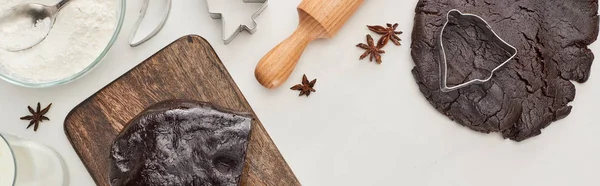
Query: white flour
[82,30]
[20,34]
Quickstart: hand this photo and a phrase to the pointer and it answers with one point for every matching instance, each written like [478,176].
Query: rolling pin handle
[277,65]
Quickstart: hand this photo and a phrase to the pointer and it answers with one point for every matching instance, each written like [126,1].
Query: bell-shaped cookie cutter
[488,29]
[250,29]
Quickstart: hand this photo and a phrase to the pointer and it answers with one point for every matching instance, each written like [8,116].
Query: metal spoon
[26,25]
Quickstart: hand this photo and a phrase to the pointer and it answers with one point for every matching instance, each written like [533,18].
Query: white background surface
[367,124]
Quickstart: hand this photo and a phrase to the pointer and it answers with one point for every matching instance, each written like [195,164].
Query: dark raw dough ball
[532,90]
[181,142]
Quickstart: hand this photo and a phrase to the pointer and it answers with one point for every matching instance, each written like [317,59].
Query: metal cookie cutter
[250,29]
[159,27]
[487,30]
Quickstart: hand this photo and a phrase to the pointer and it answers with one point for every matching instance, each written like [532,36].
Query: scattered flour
[82,30]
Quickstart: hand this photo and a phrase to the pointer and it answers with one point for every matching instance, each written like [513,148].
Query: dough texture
[531,91]
[181,142]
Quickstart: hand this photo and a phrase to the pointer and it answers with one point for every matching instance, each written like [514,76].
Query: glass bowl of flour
[83,33]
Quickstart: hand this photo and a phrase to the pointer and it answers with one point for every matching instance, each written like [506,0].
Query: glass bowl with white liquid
[83,33]
[7,163]
[25,162]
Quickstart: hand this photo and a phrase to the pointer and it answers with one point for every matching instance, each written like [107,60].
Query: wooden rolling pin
[318,19]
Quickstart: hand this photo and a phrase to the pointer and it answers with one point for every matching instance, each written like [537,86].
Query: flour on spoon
[82,30]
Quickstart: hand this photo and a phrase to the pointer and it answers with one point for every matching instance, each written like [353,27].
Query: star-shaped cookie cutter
[488,30]
[250,29]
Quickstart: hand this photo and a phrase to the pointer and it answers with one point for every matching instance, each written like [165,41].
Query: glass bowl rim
[12,155]
[84,71]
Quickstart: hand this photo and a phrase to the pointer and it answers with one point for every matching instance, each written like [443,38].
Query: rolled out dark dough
[181,142]
[531,91]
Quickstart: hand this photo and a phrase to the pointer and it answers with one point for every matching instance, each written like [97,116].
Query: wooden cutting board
[188,68]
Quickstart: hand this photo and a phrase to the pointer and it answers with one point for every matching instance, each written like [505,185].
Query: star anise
[388,33]
[306,87]
[36,116]
[372,50]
